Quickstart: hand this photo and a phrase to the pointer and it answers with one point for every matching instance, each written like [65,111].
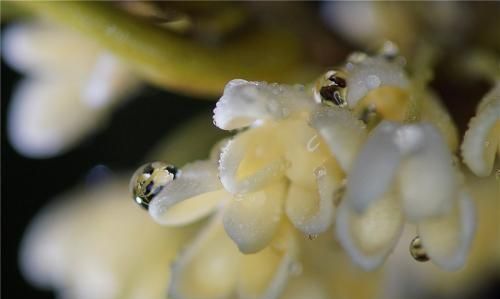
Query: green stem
[174,62]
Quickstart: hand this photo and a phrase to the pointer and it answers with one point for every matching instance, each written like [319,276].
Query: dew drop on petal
[417,250]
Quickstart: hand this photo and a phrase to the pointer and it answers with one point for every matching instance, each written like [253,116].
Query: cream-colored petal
[82,247]
[427,179]
[44,50]
[369,237]
[251,220]
[305,151]
[47,117]
[433,111]
[245,102]
[343,133]
[208,268]
[264,275]
[447,239]
[252,160]
[375,167]
[371,73]
[482,140]
[305,286]
[312,210]
[194,194]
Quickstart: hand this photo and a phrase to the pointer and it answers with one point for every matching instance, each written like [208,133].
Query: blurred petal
[375,167]
[43,50]
[342,133]
[482,140]
[46,117]
[72,245]
[251,220]
[109,80]
[244,102]
[264,275]
[447,239]
[194,194]
[252,159]
[427,180]
[369,237]
[208,268]
[312,210]
[371,73]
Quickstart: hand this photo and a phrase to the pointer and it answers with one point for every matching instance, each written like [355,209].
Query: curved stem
[173,62]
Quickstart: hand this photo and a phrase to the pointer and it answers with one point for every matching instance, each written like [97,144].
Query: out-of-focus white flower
[70,87]
[370,23]
[405,172]
[95,244]
[481,143]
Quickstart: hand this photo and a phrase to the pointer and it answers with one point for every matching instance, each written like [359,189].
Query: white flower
[482,140]
[93,243]
[70,87]
[280,168]
[405,173]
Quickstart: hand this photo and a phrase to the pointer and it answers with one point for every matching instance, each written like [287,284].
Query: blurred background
[158,107]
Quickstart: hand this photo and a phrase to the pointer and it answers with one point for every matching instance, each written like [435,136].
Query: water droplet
[312,236]
[320,172]
[313,143]
[149,179]
[417,250]
[238,197]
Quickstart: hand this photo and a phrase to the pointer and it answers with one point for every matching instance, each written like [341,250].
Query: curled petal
[370,73]
[369,237]
[252,160]
[447,239]
[482,140]
[427,180]
[252,219]
[194,194]
[375,167]
[264,275]
[312,211]
[341,131]
[47,116]
[208,268]
[244,102]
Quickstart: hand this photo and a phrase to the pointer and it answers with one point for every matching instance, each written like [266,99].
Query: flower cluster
[350,151]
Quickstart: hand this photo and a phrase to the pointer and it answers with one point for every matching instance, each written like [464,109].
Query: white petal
[375,167]
[109,80]
[482,140]
[44,49]
[447,239]
[194,194]
[46,117]
[244,102]
[312,211]
[208,268]
[342,133]
[264,275]
[369,237]
[252,160]
[251,220]
[371,73]
[427,180]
